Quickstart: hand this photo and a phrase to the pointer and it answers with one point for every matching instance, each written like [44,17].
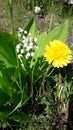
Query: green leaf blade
[7,50]
[59,33]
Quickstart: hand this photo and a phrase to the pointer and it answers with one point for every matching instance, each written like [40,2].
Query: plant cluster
[28,84]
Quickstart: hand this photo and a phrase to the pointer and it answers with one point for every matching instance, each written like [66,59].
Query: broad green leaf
[5,80]
[7,51]
[4,83]
[4,97]
[3,115]
[31,28]
[8,84]
[59,33]
[4,111]
[42,41]
[16,96]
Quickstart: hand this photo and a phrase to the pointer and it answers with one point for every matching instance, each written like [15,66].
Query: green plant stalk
[32,6]
[14,36]
[23,103]
[60,85]
[45,76]
[32,80]
[51,22]
[20,104]
[32,84]
[14,41]
[59,91]
[11,20]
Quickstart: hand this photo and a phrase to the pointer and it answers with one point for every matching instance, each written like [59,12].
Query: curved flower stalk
[58,53]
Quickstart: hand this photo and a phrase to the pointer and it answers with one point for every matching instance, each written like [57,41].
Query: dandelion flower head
[58,53]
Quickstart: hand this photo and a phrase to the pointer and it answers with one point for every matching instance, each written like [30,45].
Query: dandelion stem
[60,85]
[45,76]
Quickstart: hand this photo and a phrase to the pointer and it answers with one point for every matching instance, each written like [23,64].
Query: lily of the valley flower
[37,9]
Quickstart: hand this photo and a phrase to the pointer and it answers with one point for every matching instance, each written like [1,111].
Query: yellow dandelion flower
[58,53]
